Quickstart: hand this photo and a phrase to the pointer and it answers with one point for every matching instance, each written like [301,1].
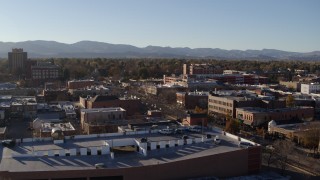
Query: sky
[289,25]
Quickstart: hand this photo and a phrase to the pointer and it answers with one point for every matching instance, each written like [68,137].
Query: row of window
[250,117]
[38,71]
[220,109]
[44,77]
[245,117]
[45,72]
[220,102]
[111,117]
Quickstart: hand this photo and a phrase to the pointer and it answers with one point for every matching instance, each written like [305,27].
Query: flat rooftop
[47,127]
[3,130]
[121,159]
[279,110]
[94,110]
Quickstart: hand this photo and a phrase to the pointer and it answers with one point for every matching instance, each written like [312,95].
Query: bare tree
[168,96]
[270,155]
[311,138]
[283,149]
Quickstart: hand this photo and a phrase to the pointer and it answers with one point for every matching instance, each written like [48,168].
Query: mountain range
[93,49]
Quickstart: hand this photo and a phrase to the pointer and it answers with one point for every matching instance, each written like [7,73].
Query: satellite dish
[56,133]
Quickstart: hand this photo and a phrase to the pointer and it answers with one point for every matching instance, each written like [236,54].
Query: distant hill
[92,49]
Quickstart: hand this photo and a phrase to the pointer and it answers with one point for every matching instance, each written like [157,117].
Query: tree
[290,101]
[168,96]
[282,148]
[270,155]
[199,110]
[62,97]
[232,125]
[311,138]
[143,73]
[65,74]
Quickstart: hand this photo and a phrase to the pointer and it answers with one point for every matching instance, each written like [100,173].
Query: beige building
[296,85]
[255,116]
[296,132]
[226,105]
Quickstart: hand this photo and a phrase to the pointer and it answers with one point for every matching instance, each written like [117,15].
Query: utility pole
[202,126]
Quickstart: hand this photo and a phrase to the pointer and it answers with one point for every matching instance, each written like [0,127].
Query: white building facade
[310,88]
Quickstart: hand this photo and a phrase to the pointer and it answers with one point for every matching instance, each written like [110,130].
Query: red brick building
[78,84]
[154,114]
[192,99]
[254,116]
[201,69]
[196,119]
[132,106]
[223,165]
[240,78]
[44,71]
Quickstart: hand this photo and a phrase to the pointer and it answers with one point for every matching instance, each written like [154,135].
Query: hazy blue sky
[229,24]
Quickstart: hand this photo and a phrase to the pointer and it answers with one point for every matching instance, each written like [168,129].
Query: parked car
[243,144]
[181,130]
[143,140]
[194,129]
[8,143]
[184,137]
[99,165]
[217,140]
[166,131]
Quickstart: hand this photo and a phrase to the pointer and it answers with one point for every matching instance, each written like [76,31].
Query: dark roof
[149,124]
[290,121]
[197,115]
[102,98]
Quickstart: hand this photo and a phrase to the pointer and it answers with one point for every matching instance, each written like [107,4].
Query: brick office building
[227,104]
[191,100]
[131,105]
[201,69]
[101,120]
[196,119]
[254,116]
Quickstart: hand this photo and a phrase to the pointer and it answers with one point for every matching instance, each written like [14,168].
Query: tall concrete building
[194,69]
[17,59]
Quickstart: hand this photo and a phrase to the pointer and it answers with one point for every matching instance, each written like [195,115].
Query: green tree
[143,73]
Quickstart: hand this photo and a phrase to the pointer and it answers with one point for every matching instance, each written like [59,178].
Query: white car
[243,144]
[100,165]
[217,140]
